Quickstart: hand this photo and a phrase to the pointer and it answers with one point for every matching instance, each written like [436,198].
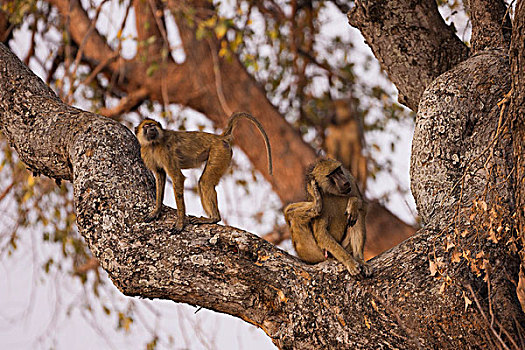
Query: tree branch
[491,27]
[411,41]
[127,103]
[205,93]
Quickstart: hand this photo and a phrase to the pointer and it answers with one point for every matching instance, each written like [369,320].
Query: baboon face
[332,177]
[148,131]
[339,179]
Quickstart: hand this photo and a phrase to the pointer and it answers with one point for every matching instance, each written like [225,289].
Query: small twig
[99,68]
[490,300]
[218,80]
[80,51]
[91,264]
[32,46]
[126,103]
[486,319]
[160,26]
[6,191]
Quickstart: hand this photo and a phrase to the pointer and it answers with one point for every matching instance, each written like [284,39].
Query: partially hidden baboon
[332,221]
[167,152]
[345,139]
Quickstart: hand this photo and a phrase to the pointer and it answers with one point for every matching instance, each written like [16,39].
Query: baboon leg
[218,162]
[356,238]
[298,216]
[325,241]
[178,190]
[160,182]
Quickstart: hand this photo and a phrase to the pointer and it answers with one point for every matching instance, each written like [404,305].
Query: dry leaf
[367,323]
[456,256]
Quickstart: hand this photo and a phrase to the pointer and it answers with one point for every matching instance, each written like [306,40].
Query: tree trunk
[517,111]
[412,301]
[411,41]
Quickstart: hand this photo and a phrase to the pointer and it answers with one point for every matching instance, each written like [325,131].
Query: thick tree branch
[460,158]
[411,41]
[491,27]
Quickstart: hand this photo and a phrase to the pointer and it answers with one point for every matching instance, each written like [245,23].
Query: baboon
[344,140]
[167,152]
[332,221]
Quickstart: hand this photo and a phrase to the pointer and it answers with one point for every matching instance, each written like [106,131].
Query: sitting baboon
[332,221]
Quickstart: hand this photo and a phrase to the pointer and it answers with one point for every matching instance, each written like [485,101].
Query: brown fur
[167,152]
[344,140]
[332,221]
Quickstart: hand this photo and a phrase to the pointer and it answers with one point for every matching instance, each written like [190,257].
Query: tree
[88,63]
[453,284]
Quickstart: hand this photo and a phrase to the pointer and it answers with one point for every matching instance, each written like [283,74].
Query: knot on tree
[461,139]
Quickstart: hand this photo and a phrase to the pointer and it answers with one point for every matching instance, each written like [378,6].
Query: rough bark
[411,41]
[228,270]
[454,94]
[462,154]
[517,111]
[491,27]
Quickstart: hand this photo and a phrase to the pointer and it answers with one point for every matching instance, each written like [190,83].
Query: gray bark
[411,41]
[299,306]
[491,27]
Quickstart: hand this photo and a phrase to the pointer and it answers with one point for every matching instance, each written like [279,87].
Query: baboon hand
[352,211]
[352,267]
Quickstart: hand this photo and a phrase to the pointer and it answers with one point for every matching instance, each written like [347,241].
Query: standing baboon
[332,221]
[167,152]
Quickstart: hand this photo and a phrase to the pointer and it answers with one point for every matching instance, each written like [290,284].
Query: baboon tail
[232,122]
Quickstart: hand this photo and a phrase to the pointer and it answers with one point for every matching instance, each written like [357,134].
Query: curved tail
[232,122]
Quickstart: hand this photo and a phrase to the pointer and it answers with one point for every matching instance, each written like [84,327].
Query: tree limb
[491,27]
[411,41]
[206,93]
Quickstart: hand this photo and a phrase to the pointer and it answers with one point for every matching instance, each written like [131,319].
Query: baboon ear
[136,129]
